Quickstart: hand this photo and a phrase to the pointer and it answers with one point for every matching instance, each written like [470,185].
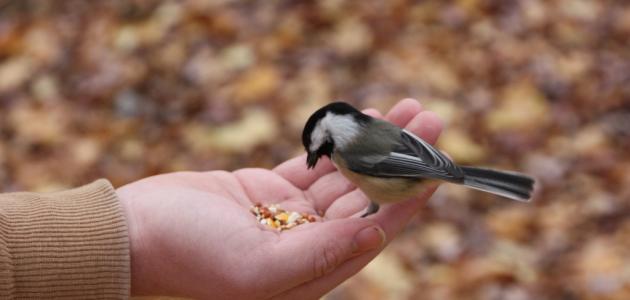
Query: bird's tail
[511,185]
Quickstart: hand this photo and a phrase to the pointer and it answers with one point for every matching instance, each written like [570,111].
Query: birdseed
[277,218]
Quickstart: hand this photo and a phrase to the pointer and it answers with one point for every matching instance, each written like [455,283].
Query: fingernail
[369,238]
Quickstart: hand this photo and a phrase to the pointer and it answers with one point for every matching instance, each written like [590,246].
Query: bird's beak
[311,159]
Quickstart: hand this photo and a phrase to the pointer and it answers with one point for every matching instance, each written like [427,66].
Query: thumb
[317,249]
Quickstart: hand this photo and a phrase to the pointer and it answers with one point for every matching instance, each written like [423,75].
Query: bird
[390,164]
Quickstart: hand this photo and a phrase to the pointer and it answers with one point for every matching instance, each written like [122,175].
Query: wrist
[141,280]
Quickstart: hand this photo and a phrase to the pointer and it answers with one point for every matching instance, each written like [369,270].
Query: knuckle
[327,258]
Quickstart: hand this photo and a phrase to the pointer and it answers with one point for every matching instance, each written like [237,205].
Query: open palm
[192,233]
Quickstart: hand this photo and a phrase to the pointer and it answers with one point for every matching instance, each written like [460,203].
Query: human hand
[192,233]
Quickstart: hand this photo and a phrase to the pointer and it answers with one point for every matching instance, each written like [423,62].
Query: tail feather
[511,185]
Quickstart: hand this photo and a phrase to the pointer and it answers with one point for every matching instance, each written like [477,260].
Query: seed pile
[278,218]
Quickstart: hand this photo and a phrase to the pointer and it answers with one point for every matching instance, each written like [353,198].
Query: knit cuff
[64,245]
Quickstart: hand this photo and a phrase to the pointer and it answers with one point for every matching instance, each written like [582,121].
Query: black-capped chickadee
[390,164]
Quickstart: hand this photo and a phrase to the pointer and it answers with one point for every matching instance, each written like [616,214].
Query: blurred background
[128,89]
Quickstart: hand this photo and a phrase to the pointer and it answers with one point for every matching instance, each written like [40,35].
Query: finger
[321,286]
[316,288]
[347,205]
[373,113]
[314,250]
[403,112]
[296,172]
[327,189]
[394,217]
[427,125]
[410,206]
[274,189]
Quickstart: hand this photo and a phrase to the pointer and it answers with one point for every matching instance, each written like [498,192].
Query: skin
[192,235]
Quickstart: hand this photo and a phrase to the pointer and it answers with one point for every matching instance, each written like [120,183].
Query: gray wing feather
[412,158]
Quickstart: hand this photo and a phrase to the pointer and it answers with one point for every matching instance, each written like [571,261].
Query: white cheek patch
[343,129]
[318,136]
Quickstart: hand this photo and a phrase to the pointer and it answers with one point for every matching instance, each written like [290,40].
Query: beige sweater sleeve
[64,245]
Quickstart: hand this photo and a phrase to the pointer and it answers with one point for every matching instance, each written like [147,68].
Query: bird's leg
[372,209]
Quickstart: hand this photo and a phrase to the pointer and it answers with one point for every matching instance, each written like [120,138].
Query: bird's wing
[412,158]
